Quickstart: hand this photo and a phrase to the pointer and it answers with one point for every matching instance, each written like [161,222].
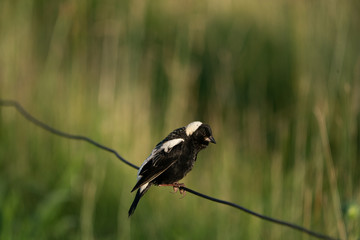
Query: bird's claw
[177,187]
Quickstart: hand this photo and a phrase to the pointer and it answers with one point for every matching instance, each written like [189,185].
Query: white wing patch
[166,146]
[143,187]
[192,127]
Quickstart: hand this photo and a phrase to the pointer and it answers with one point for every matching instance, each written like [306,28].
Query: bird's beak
[211,139]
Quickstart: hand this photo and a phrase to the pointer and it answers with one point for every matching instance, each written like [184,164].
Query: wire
[37,122]
[284,223]
[28,116]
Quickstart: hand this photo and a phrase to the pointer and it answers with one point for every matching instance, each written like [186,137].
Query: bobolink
[172,159]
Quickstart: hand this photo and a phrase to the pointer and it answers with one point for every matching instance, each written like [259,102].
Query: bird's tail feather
[140,192]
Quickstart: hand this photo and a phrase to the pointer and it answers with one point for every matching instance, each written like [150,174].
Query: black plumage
[172,159]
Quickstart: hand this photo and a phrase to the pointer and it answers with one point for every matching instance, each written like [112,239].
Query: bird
[172,159]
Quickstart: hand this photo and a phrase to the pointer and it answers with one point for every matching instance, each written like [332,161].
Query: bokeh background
[278,81]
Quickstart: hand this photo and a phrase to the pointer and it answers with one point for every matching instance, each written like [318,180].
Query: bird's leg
[176,186]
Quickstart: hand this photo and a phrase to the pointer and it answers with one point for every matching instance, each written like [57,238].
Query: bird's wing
[162,157]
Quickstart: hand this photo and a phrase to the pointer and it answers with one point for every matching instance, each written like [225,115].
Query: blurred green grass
[277,81]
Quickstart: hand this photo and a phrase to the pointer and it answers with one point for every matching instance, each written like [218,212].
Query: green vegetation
[278,81]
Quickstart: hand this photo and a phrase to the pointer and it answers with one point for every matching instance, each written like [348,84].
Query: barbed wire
[29,117]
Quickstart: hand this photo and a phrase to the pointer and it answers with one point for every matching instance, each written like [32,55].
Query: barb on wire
[28,116]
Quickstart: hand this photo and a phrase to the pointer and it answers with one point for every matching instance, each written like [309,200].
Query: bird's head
[201,133]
